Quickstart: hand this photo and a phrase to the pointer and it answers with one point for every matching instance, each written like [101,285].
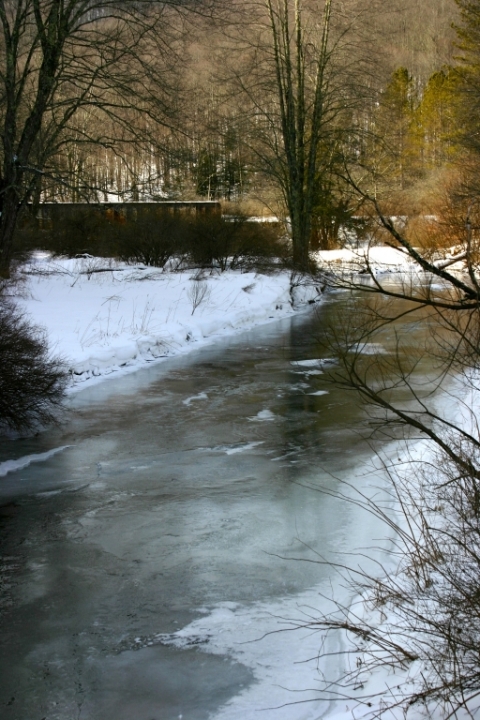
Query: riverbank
[104,317]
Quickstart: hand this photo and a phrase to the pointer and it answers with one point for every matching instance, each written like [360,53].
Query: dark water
[183,486]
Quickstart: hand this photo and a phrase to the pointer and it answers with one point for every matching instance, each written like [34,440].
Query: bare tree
[78,73]
[301,86]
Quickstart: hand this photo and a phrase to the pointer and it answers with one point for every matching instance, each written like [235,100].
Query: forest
[292,109]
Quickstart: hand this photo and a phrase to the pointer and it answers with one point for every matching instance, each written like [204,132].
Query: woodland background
[401,126]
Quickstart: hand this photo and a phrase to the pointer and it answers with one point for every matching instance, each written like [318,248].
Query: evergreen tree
[435,136]
[468,32]
[394,124]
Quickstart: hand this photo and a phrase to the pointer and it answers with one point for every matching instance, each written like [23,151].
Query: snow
[23,462]
[382,259]
[240,447]
[103,317]
[385,260]
[263,416]
[200,396]
[306,363]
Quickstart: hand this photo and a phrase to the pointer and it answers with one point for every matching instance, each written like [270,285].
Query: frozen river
[144,561]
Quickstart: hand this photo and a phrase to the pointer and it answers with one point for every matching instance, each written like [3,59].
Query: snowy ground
[380,258]
[105,317]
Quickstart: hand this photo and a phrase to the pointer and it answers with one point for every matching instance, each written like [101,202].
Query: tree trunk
[300,88]
[8,221]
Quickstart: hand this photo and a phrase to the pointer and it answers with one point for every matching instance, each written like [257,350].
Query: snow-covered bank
[105,317]
[380,259]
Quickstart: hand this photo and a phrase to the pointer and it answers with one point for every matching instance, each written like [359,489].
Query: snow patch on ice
[234,449]
[368,349]
[200,396]
[313,363]
[263,416]
[306,363]
[9,466]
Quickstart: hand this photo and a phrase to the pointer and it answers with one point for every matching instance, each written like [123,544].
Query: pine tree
[394,123]
[437,121]
[468,32]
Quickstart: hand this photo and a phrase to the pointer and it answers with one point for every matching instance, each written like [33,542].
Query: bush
[234,243]
[84,230]
[31,382]
[259,245]
[151,239]
[155,236]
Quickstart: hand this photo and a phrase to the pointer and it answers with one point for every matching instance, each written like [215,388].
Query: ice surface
[279,642]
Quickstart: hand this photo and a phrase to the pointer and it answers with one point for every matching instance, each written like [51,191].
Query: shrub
[259,245]
[84,230]
[234,243]
[155,236]
[151,239]
[202,241]
[31,381]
